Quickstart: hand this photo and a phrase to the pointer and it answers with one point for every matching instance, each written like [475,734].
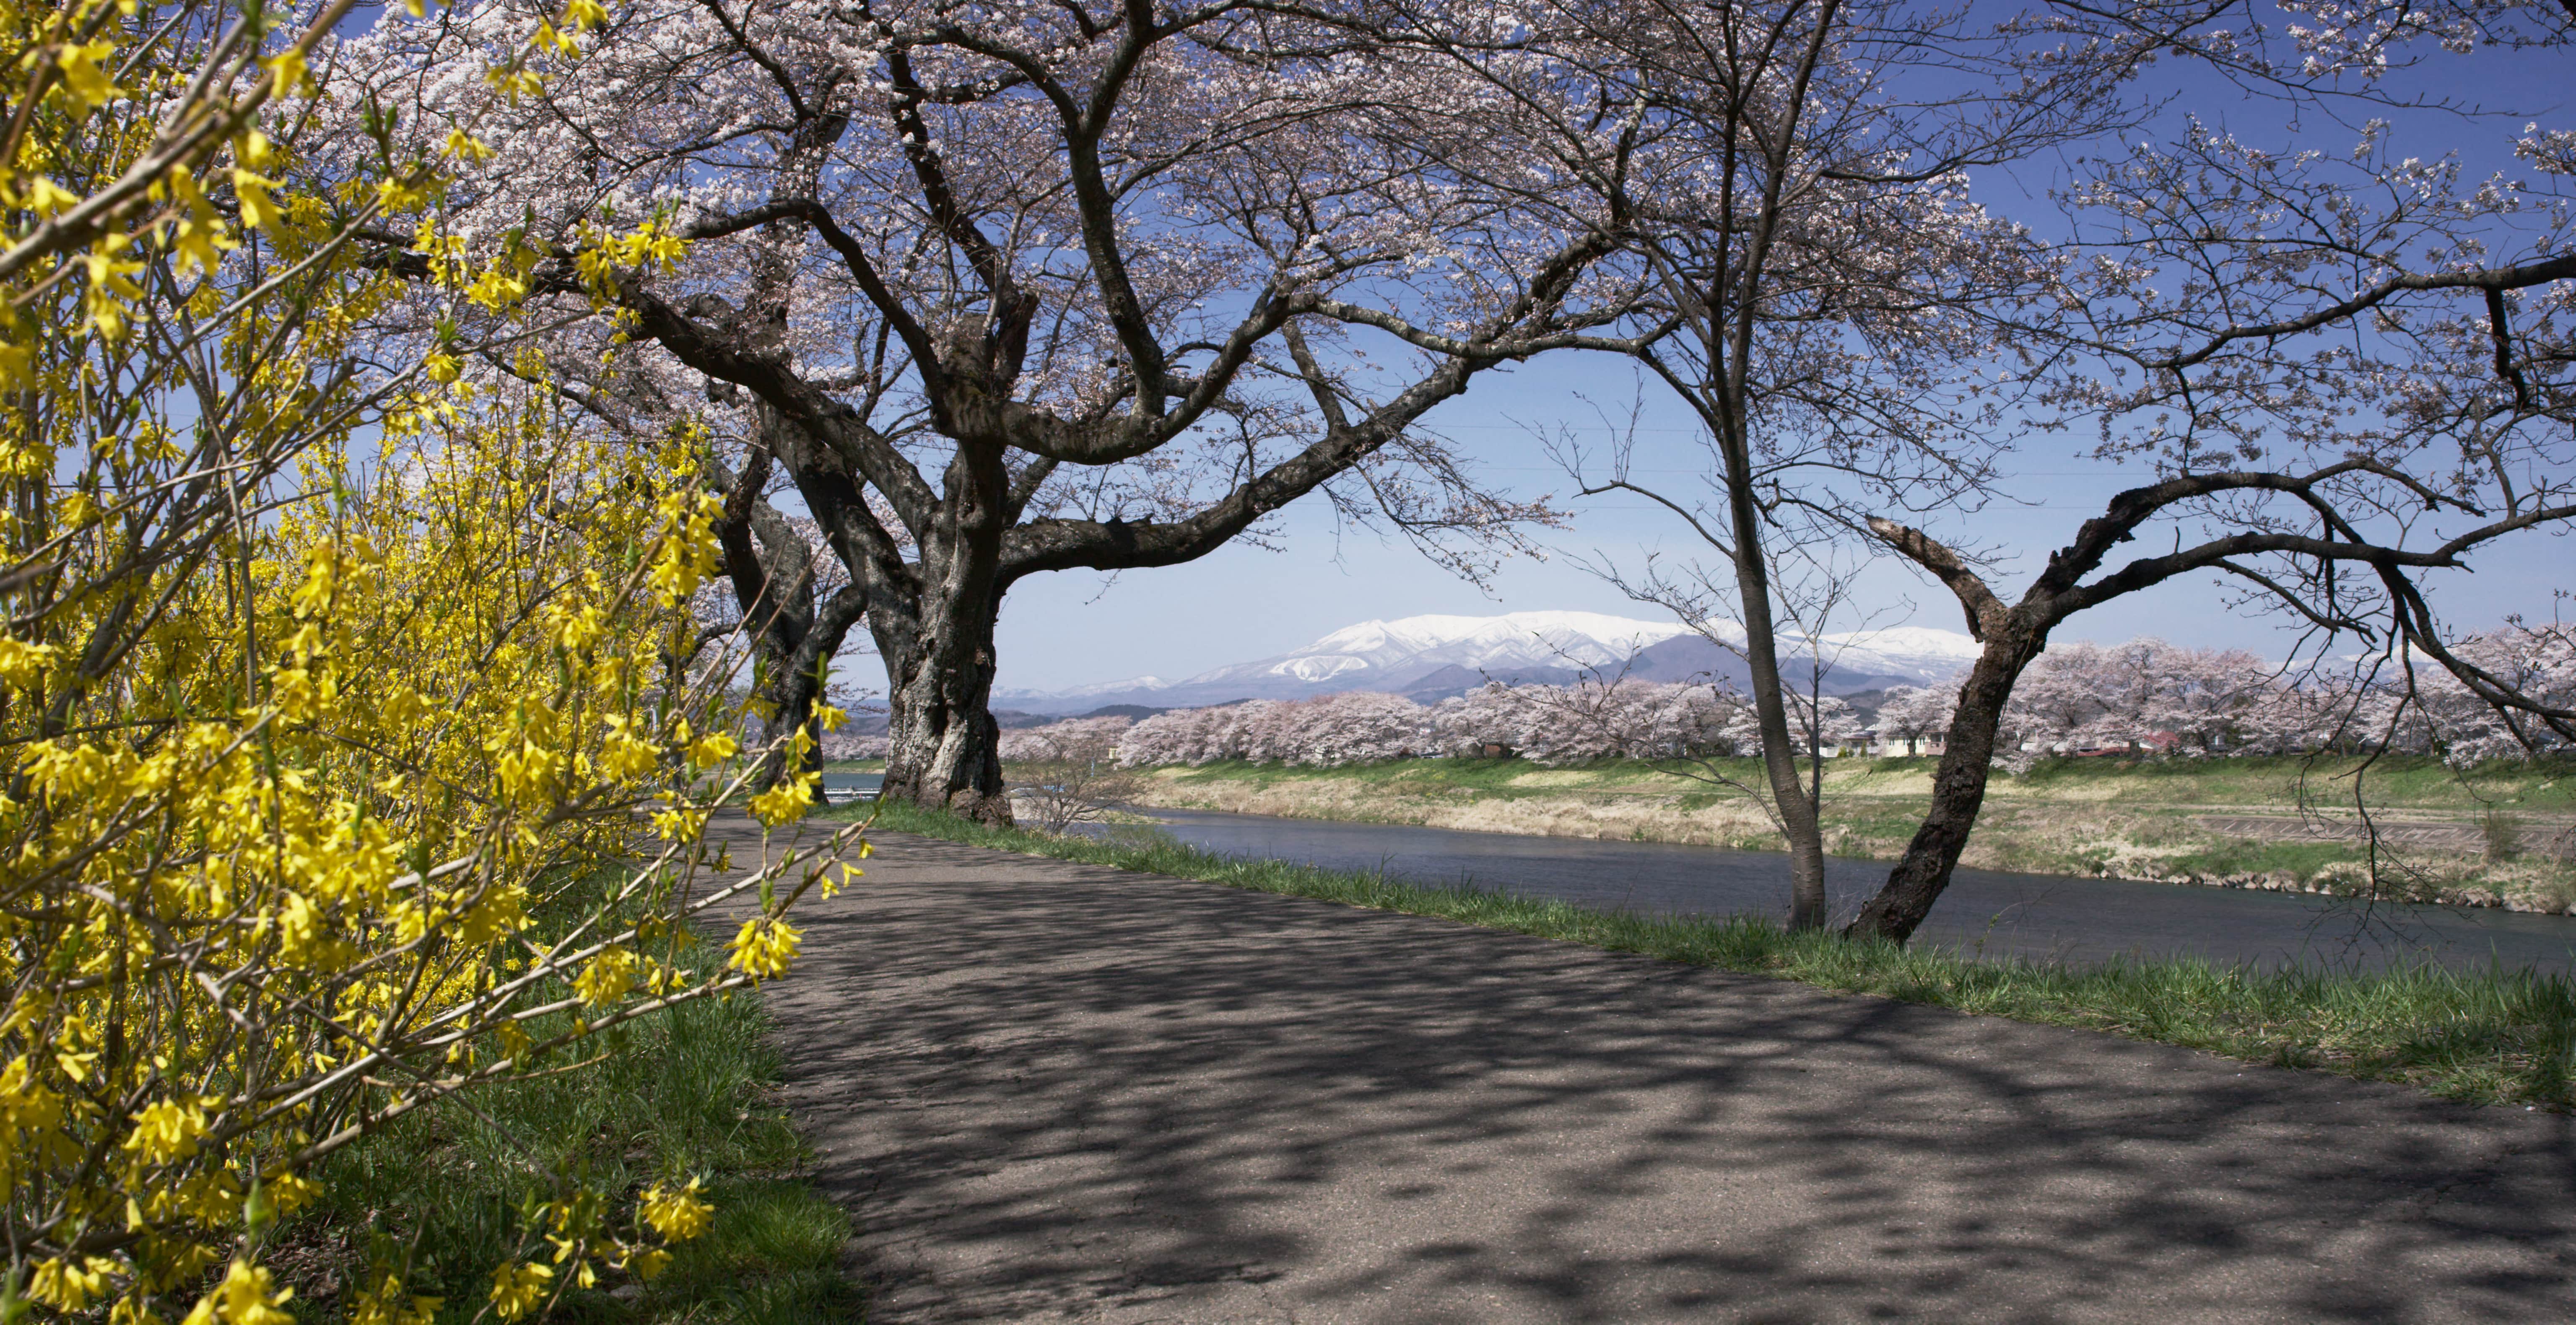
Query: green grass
[686,1093]
[2488,1036]
[2303,859]
[2394,781]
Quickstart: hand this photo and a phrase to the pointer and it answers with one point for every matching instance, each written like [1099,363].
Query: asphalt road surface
[1051,1092]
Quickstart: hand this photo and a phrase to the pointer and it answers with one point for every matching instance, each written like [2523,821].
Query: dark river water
[2033,915]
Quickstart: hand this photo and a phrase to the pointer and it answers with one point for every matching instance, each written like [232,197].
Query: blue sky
[1245,602]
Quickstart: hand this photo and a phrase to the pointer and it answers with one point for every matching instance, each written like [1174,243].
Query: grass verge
[2485,1036]
[685,1093]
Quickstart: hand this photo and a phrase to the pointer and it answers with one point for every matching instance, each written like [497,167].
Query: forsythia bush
[356,744]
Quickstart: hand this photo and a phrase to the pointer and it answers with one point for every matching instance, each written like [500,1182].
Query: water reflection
[843,787]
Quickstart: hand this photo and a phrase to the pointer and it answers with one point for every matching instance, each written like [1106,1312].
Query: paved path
[1052,1092]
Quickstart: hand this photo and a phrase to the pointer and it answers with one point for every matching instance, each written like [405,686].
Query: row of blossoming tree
[356,739]
[2145,697]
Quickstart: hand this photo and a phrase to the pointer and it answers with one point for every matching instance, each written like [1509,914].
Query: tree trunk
[1958,785]
[1798,818]
[797,684]
[792,636]
[1797,810]
[944,749]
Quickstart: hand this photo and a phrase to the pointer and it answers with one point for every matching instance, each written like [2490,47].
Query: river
[2032,915]
[1985,911]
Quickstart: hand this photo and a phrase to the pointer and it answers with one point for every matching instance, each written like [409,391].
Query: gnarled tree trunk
[793,634]
[944,746]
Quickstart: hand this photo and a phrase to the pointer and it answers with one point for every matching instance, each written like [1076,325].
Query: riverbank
[2487,1035]
[2501,836]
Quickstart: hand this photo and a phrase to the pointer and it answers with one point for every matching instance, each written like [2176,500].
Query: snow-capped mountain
[1432,657]
[1917,653]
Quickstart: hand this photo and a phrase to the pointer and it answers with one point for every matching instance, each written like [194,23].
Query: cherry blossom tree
[1601,718]
[1023,290]
[2434,711]
[2144,697]
[1912,714]
[1055,742]
[1068,772]
[2210,699]
[1357,727]
[1195,737]
[2339,371]
[1801,205]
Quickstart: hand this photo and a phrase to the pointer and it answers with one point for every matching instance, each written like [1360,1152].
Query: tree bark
[937,640]
[793,636]
[1958,784]
[1797,809]
[945,747]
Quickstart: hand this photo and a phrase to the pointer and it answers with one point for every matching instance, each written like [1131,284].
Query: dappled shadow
[1048,1091]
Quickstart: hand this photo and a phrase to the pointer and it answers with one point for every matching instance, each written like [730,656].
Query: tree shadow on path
[1050,1091]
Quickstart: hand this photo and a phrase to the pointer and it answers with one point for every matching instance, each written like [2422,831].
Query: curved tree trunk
[797,684]
[1958,785]
[793,637]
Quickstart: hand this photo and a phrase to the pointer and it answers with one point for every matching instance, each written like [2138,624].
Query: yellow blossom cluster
[355,735]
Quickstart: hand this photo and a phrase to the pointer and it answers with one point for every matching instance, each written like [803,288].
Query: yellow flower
[518,1288]
[47,199]
[679,825]
[785,803]
[111,286]
[23,664]
[89,85]
[288,68]
[765,947]
[549,38]
[606,978]
[258,210]
[388,1304]
[677,1215]
[166,1131]
[247,1296]
[61,1283]
[624,756]
[712,749]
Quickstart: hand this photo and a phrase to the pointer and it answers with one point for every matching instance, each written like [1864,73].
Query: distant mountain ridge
[1429,658]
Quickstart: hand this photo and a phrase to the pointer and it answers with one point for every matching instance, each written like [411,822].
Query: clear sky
[1244,602]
